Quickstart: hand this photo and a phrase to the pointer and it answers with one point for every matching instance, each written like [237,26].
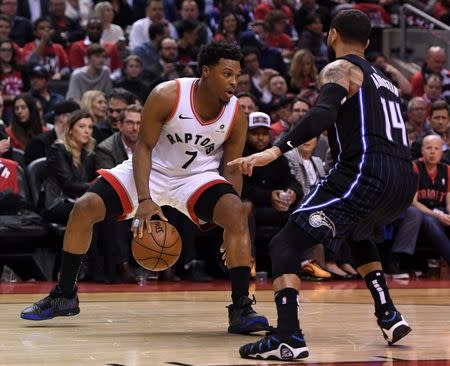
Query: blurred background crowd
[74,75]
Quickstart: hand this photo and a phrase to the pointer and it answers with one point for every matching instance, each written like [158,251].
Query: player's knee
[89,208]
[364,252]
[285,258]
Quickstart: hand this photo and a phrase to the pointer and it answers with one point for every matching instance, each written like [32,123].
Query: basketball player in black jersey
[371,183]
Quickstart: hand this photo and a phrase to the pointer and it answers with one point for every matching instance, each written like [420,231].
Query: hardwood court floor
[185,324]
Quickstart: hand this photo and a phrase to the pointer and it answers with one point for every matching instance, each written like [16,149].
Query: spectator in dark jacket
[71,164]
[272,189]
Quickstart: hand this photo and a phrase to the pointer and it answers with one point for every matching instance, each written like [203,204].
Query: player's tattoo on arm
[343,73]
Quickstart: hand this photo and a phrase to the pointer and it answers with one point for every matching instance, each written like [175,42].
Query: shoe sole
[36,317]
[400,332]
[297,353]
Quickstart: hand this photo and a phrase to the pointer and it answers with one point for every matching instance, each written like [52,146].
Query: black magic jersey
[370,121]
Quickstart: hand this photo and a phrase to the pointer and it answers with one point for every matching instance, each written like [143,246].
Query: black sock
[376,283]
[287,309]
[70,266]
[240,281]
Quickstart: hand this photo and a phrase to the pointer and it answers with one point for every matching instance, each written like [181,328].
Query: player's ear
[367,44]
[205,71]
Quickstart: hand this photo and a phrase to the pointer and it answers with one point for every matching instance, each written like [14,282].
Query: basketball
[158,250]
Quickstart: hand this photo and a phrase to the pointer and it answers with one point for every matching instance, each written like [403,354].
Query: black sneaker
[394,326]
[243,319]
[53,305]
[276,347]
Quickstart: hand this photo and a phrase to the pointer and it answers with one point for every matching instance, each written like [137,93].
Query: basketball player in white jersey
[188,126]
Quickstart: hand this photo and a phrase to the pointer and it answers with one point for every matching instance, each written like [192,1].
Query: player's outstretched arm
[157,109]
[338,81]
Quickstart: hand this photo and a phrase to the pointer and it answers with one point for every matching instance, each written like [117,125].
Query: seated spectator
[277,23]
[303,71]
[432,90]
[228,28]
[11,76]
[169,66]
[417,114]
[187,42]
[94,101]
[433,195]
[265,8]
[71,164]
[44,52]
[132,79]
[66,30]
[190,12]
[259,77]
[118,101]
[94,76]
[148,52]
[438,125]
[270,57]
[281,112]
[111,32]
[21,29]
[39,145]
[312,39]
[25,122]
[248,103]
[5,34]
[39,78]
[434,64]
[78,51]
[272,189]
[244,83]
[309,7]
[154,14]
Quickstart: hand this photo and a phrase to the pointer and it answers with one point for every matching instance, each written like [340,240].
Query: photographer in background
[169,66]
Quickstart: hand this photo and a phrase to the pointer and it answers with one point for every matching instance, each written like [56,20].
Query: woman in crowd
[71,165]
[94,101]
[111,32]
[25,122]
[11,78]
[228,28]
[303,71]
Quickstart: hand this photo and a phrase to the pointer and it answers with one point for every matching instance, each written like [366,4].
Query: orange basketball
[158,250]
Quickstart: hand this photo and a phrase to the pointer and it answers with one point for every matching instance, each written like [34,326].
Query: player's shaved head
[352,25]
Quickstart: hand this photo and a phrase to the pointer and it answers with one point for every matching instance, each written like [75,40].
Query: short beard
[331,54]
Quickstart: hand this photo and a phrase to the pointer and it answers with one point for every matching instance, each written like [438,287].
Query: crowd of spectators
[74,75]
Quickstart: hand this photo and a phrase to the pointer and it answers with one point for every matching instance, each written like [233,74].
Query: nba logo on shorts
[318,219]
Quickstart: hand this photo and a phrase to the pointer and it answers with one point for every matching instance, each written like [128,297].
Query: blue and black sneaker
[277,347]
[394,326]
[243,319]
[55,304]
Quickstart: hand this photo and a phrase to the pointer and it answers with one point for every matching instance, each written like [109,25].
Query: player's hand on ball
[144,213]
[246,164]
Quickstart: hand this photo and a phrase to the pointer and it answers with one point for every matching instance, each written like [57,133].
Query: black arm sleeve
[317,120]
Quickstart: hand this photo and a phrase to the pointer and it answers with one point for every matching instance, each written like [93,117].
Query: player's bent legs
[389,319]
[63,299]
[88,210]
[231,214]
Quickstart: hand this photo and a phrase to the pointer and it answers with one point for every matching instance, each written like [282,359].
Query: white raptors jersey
[188,145]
